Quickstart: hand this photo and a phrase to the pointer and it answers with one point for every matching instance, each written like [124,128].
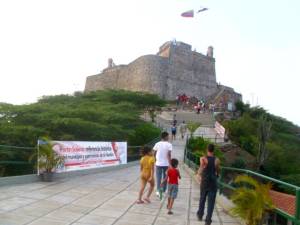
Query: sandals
[147,200]
[139,202]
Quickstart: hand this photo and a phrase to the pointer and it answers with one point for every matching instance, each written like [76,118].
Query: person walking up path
[147,173]
[173,131]
[209,171]
[183,129]
[173,175]
[162,152]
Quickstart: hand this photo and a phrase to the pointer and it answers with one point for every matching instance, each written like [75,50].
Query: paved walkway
[106,198]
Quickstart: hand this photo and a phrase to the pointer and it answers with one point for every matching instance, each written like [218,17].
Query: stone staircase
[206,119]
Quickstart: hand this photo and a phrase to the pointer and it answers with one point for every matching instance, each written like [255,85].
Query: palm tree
[252,200]
[48,159]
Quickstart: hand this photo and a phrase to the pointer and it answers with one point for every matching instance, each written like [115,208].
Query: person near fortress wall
[162,152]
[209,171]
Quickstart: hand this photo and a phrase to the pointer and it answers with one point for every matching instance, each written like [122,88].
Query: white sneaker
[157,193]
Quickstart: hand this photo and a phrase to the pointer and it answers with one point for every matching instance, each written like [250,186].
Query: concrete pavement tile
[66,197]
[117,186]
[170,221]
[97,220]
[117,205]
[203,223]
[48,204]
[82,224]
[64,215]
[32,211]
[77,209]
[84,189]
[35,195]
[48,221]
[141,209]
[14,219]
[14,203]
[126,222]
[5,195]
[107,212]
[138,218]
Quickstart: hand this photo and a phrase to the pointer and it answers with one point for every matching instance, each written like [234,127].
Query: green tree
[270,139]
[264,133]
[95,116]
[241,107]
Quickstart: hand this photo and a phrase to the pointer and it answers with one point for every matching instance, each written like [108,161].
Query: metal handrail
[8,161]
[294,218]
[261,176]
[17,147]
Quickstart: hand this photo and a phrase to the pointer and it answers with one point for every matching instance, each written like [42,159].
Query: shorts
[145,178]
[172,190]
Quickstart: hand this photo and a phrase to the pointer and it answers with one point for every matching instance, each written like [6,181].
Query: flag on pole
[201,10]
[189,13]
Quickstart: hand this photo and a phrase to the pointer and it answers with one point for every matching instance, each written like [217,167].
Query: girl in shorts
[147,174]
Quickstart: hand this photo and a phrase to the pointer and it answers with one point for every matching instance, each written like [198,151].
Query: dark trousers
[211,197]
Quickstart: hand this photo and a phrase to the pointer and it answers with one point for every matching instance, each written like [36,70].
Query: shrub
[239,163]
[198,146]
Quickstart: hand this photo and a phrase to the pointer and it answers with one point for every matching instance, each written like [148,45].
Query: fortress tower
[174,70]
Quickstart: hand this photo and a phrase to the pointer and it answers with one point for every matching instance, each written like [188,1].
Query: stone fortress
[175,69]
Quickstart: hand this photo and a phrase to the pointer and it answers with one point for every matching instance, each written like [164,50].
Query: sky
[50,47]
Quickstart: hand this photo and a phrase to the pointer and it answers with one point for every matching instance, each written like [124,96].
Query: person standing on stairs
[209,171]
[173,131]
[183,129]
[162,152]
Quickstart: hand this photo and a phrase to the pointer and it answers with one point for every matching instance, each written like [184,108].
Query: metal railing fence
[193,161]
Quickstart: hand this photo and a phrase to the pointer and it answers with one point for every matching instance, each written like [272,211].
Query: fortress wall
[143,74]
[106,80]
[190,72]
[164,50]
[176,69]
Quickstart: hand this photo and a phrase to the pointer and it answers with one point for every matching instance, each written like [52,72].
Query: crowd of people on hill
[204,107]
[183,101]
[159,161]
